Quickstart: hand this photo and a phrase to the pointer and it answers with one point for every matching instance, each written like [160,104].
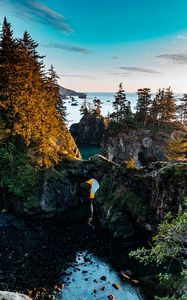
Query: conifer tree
[156,107]
[143,104]
[84,108]
[8,76]
[120,105]
[168,113]
[54,88]
[97,107]
[30,102]
[183,107]
[128,110]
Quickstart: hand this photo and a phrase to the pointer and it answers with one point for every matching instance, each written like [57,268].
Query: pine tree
[97,107]
[143,104]
[30,102]
[84,110]
[156,108]
[128,110]
[168,113]
[8,77]
[120,105]
[53,86]
[183,107]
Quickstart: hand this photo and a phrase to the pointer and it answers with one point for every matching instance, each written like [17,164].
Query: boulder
[130,201]
[90,130]
[142,145]
[13,296]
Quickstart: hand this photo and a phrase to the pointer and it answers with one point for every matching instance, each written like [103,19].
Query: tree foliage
[168,244]
[143,104]
[177,148]
[122,107]
[30,102]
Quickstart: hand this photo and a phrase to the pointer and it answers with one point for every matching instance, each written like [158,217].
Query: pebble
[116,286]
[103,278]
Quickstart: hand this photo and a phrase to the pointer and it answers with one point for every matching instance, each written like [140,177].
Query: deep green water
[87,151]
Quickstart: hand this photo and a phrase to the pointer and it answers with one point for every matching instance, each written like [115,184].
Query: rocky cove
[38,249]
[64,242]
[41,247]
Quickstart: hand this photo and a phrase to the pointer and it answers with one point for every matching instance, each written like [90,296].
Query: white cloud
[182,37]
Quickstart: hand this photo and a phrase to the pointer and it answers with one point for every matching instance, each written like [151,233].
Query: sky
[96,44]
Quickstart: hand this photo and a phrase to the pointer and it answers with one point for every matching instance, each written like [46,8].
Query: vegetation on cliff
[168,245]
[33,133]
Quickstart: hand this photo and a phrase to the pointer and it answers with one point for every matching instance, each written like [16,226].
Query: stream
[89,277]
[64,260]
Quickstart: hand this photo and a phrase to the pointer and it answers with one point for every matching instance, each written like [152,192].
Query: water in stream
[90,278]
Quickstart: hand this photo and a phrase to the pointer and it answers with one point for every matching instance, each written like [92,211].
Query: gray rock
[142,145]
[90,130]
[13,296]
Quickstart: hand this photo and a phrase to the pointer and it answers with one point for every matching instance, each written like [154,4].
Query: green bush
[18,176]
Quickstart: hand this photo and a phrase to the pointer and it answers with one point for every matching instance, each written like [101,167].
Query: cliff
[90,130]
[141,144]
[67,92]
[130,200]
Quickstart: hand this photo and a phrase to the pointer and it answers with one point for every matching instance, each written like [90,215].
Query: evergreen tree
[143,103]
[183,108]
[54,88]
[168,113]
[177,148]
[97,107]
[156,108]
[8,76]
[120,105]
[30,102]
[84,108]
[128,110]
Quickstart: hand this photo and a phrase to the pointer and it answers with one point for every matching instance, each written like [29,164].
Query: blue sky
[95,44]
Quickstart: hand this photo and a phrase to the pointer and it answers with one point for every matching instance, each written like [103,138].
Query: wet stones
[116,286]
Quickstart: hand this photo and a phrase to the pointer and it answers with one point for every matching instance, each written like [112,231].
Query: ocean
[107,99]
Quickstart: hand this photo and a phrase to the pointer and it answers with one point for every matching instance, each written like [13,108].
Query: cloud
[119,73]
[114,57]
[37,11]
[142,70]
[175,58]
[78,76]
[67,48]
[182,37]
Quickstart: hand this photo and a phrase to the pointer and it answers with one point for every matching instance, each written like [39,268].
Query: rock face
[131,199]
[127,199]
[90,130]
[142,145]
[67,92]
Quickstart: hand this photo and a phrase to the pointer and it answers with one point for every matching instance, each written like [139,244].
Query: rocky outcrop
[70,187]
[142,145]
[130,199]
[127,199]
[67,92]
[90,130]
